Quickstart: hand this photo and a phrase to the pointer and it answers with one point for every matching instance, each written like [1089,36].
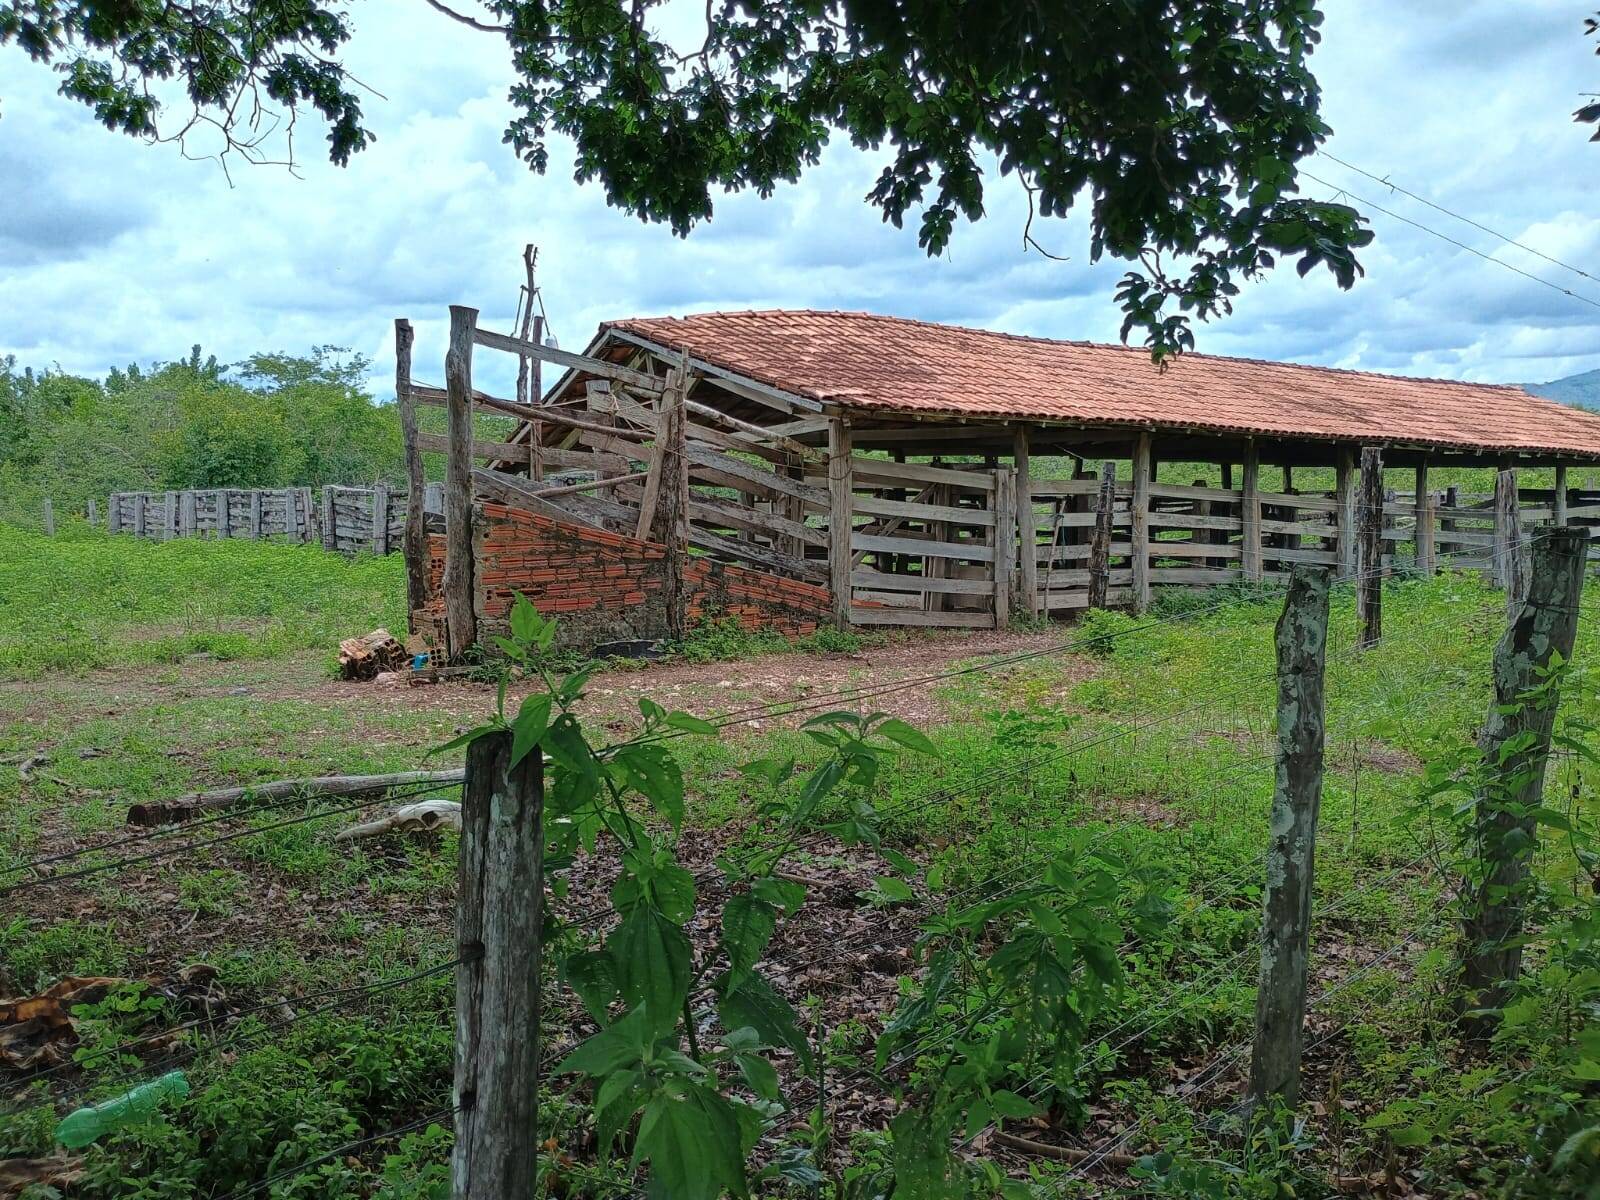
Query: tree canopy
[1176,124]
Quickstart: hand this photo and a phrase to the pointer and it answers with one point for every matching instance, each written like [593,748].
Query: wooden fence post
[1100,542]
[49,517]
[380,518]
[1027,522]
[1517,728]
[1139,532]
[841,510]
[1250,513]
[461,627]
[169,517]
[93,514]
[499,893]
[414,540]
[255,514]
[1558,502]
[1344,495]
[1004,543]
[1302,641]
[1369,546]
[1447,525]
[1427,555]
[1510,567]
[330,518]
[673,499]
[225,513]
[140,514]
[188,523]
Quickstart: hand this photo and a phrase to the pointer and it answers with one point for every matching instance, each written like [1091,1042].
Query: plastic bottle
[85,1125]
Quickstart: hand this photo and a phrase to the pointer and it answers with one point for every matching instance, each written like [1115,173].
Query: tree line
[273,420]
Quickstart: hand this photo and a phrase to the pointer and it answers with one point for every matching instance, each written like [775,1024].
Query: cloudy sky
[112,251]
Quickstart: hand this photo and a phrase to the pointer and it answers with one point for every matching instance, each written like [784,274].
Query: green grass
[76,602]
[1152,746]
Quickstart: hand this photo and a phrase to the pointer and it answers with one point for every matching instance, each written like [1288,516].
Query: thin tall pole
[460,618]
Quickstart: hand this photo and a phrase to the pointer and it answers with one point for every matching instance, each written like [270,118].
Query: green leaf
[760,1075]
[470,735]
[533,718]
[784,893]
[899,861]
[613,1048]
[893,891]
[817,786]
[908,736]
[754,1002]
[653,958]
[748,923]
[691,724]
[690,1137]
[592,974]
[526,623]
[653,773]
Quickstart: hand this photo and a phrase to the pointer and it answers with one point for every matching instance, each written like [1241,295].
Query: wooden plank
[736,516]
[566,358]
[761,556]
[1194,576]
[1166,520]
[1004,542]
[1160,549]
[1298,554]
[1183,491]
[759,433]
[874,469]
[1139,536]
[766,483]
[877,506]
[673,500]
[841,489]
[1027,518]
[974,551]
[862,615]
[460,615]
[1315,529]
[1048,488]
[739,385]
[1299,500]
[1250,512]
[884,582]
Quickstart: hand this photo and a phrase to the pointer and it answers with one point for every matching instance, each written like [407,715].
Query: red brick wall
[605,587]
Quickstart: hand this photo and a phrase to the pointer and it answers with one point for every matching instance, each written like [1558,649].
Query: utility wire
[1445,237]
[1510,241]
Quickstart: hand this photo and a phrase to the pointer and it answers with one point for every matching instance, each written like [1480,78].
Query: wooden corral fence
[347,519]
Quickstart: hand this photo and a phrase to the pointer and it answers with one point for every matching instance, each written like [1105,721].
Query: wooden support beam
[1027,521]
[414,539]
[461,621]
[1003,539]
[673,497]
[1344,495]
[1427,555]
[499,894]
[841,506]
[1100,543]
[565,358]
[1369,546]
[1250,513]
[1139,536]
[1301,641]
[1558,506]
[1510,566]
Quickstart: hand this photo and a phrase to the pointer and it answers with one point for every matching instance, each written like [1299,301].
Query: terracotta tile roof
[892,364]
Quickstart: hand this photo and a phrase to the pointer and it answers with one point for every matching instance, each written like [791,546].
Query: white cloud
[116,251]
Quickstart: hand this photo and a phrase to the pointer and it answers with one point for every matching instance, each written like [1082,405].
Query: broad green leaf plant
[692,1108]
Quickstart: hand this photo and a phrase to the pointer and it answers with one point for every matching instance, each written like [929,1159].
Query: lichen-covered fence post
[414,541]
[499,892]
[1100,541]
[1515,743]
[1302,641]
[459,609]
[1369,546]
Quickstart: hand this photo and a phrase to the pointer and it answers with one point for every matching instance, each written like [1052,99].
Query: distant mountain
[1582,390]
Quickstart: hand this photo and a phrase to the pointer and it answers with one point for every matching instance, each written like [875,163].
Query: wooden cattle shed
[791,467]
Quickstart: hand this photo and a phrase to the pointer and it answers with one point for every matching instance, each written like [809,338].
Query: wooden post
[1344,494]
[1509,568]
[49,517]
[841,506]
[1447,525]
[305,513]
[499,893]
[1139,534]
[140,514]
[1427,555]
[1250,513]
[330,519]
[255,514]
[461,627]
[1003,541]
[674,500]
[188,525]
[169,517]
[380,518]
[94,513]
[1100,543]
[414,539]
[1515,743]
[1027,525]
[224,514]
[1558,502]
[1369,546]
[1302,640]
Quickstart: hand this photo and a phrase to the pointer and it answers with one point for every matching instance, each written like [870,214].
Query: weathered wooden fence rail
[347,519]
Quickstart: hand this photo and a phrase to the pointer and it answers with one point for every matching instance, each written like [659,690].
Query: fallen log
[187,807]
[425,815]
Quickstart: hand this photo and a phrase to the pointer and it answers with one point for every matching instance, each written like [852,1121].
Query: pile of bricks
[605,586]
